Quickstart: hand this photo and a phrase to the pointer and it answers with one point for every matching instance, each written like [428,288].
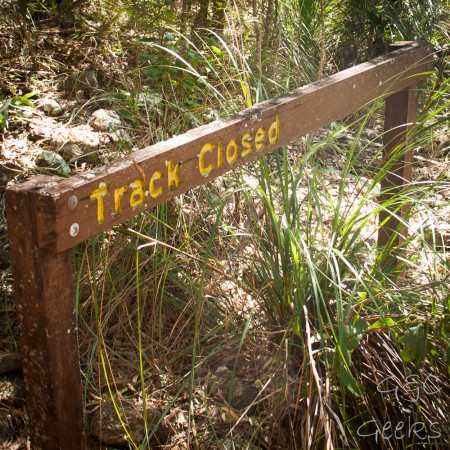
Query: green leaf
[29,95]
[22,101]
[362,295]
[217,51]
[381,324]
[296,327]
[155,72]
[4,120]
[52,160]
[354,331]
[5,105]
[148,57]
[350,383]
[414,344]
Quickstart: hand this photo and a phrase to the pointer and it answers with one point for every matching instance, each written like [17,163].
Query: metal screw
[72,202]
[74,229]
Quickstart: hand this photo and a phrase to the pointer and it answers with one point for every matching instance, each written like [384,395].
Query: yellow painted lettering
[172,173]
[232,151]
[247,144]
[99,195]
[118,194]
[138,195]
[219,154]
[207,148]
[259,138]
[154,191]
[274,130]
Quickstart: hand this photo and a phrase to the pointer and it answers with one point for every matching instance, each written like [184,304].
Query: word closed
[163,179]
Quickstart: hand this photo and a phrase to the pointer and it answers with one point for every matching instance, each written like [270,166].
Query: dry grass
[181,338]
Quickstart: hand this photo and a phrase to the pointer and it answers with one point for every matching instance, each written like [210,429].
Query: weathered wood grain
[86,204]
[400,115]
[44,297]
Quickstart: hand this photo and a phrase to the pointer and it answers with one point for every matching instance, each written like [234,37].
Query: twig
[181,252]
[414,288]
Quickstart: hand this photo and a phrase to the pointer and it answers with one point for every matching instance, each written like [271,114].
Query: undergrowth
[256,311]
[282,257]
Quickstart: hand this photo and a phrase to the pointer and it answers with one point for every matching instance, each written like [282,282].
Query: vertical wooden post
[400,115]
[44,297]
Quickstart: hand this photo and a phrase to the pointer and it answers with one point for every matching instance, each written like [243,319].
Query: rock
[52,160]
[10,362]
[85,80]
[105,120]
[106,427]
[50,107]
[42,128]
[239,394]
[71,151]
[116,136]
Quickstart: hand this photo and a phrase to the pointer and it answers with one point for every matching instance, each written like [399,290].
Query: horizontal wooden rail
[81,206]
[49,216]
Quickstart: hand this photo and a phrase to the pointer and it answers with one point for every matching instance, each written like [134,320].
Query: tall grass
[319,274]
[297,242]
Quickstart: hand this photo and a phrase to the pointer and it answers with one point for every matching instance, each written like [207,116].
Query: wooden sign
[48,216]
[95,201]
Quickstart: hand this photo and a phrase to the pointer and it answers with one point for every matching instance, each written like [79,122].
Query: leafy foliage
[12,106]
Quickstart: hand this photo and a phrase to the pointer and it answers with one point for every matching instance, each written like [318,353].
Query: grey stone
[105,120]
[50,107]
[52,160]
[71,151]
[107,428]
[84,80]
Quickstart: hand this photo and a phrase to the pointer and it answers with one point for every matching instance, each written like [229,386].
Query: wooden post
[44,296]
[400,115]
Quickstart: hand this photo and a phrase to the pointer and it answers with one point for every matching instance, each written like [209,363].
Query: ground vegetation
[253,312]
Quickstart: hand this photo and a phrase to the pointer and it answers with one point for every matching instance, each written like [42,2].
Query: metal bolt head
[72,202]
[74,229]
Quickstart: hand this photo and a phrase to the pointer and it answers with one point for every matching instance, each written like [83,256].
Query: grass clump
[319,276]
